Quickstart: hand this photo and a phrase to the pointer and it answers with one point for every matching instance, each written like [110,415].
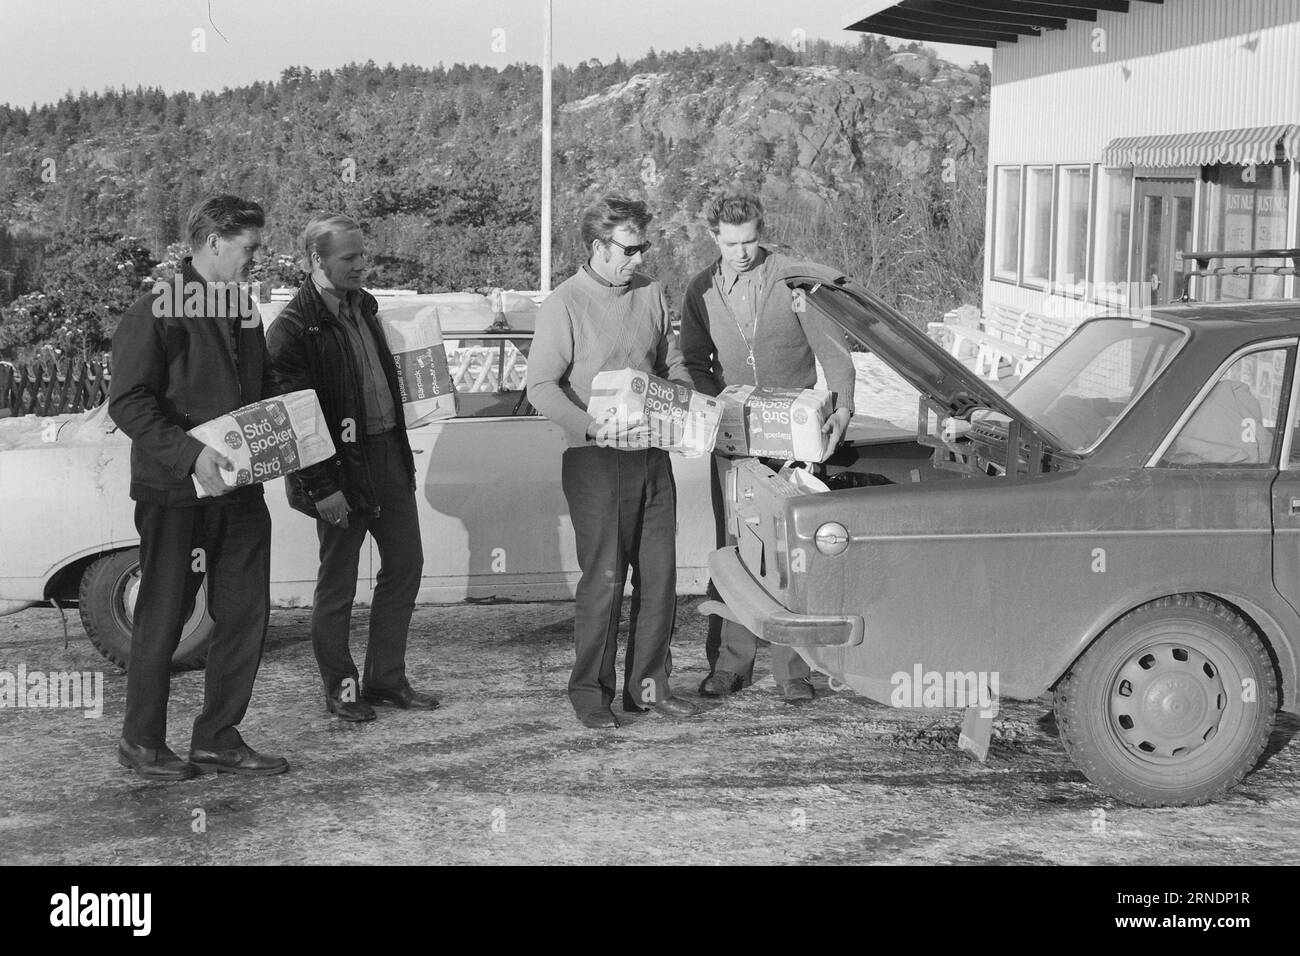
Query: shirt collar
[189,273]
[598,277]
[333,297]
[728,277]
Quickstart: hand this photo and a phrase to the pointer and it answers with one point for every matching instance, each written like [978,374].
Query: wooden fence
[49,386]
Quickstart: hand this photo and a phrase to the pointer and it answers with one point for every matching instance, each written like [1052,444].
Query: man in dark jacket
[329,339]
[184,354]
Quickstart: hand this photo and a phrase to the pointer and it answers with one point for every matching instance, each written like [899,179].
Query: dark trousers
[733,647]
[396,530]
[624,510]
[232,541]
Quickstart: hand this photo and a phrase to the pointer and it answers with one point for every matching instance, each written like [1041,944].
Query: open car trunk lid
[877,327]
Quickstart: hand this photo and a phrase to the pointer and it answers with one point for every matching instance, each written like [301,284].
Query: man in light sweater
[621,495]
[742,326]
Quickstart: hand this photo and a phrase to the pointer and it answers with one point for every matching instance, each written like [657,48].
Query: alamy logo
[922,688]
[103,909]
[74,690]
[199,300]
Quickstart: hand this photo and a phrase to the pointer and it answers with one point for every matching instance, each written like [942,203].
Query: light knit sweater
[586,326]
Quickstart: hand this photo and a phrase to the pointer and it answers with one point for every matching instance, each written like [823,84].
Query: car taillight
[832,538]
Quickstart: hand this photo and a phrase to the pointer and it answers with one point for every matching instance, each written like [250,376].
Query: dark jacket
[310,349]
[172,372]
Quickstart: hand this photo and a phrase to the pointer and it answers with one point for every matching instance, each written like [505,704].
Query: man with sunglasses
[620,491]
[742,326]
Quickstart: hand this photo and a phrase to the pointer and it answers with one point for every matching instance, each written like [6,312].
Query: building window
[1110,239]
[1073,193]
[1006,223]
[1246,209]
[1038,225]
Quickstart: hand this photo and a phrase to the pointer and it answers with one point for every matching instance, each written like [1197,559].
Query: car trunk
[948,389]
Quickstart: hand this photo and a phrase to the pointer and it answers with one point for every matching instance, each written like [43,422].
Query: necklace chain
[749,343]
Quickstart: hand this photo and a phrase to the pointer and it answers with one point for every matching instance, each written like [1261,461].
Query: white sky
[51,47]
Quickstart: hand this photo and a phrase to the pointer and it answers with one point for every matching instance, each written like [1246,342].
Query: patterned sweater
[587,326]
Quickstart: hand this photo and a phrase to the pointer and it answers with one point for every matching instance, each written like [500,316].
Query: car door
[493,516]
[1286,508]
[1221,463]
[492,513]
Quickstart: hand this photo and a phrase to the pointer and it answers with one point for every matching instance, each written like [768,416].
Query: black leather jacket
[172,372]
[310,349]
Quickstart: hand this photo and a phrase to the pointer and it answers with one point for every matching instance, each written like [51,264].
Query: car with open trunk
[1120,529]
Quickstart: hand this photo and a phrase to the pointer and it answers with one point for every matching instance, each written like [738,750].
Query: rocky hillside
[870,158]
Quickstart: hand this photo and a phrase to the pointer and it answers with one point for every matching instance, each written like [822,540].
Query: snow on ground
[881,393]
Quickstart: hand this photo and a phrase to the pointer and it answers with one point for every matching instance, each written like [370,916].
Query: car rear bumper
[748,604]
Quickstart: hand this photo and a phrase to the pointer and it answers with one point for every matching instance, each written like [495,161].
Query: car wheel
[1171,706]
[107,603]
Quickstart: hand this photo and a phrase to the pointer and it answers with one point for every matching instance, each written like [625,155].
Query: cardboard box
[681,420]
[414,335]
[784,423]
[268,439]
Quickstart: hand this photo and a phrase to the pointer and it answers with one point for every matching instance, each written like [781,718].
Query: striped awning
[1258,144]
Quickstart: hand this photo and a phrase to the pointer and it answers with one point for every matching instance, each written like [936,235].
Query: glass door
[1164,233]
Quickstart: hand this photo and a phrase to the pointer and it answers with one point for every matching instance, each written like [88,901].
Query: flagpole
[545,285]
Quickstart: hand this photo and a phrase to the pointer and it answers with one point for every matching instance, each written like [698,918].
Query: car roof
[1213,332]
[459,314]
[1252,318]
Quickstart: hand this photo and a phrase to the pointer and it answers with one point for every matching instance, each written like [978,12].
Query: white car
[493,516]
[492,513]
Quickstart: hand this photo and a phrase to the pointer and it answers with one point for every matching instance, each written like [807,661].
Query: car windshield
[1086,385]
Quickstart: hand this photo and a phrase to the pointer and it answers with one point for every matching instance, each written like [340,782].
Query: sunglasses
[630,251]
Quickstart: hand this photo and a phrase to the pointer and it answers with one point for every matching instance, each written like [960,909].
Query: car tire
[107,600]
[1172,705]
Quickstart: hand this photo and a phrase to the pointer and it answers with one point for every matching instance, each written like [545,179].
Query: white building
[1124,135]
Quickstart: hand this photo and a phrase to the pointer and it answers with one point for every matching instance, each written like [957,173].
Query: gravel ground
[503,773]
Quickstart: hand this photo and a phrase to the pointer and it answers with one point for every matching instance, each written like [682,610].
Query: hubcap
[130,591]
[1166,702]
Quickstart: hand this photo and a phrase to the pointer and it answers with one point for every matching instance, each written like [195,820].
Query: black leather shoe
[677,707]
[403,697]
[600,720]
[242,760]
[357,711]
[799,689]
[154,763]
[720,684]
